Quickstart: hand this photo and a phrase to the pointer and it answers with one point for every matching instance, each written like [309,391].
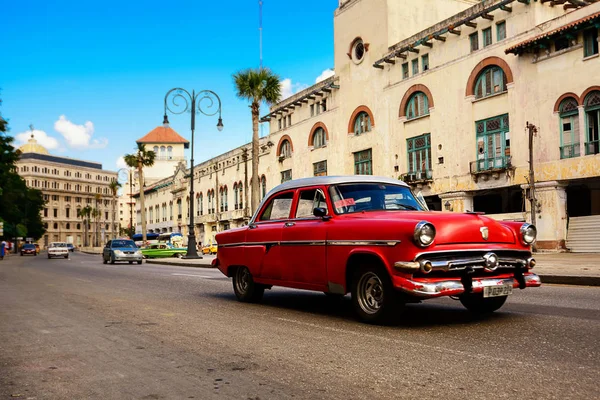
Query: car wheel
[67,256]
[112,259]
[139,262]
[244,287]
[104,260]
[373,297]
[21,254]
[48,256]
[130,262]
[477,304]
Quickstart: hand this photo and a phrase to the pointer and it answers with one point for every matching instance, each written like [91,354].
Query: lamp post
[182,101]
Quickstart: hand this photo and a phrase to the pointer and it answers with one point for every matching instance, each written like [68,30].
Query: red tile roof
[161,134]
[552,32]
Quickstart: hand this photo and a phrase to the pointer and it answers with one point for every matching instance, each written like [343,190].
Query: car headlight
[118,252]
[138,253]
[424,233]
[528,233]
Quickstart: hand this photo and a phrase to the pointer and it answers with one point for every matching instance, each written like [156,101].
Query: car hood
[451,228]
[124,248]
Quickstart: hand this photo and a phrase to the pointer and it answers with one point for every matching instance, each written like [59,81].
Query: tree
[257,86]
[20,206]
[96,213]
[114,188]
[85,214]
[140,159]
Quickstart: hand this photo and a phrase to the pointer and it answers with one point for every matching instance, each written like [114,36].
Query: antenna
[260,4]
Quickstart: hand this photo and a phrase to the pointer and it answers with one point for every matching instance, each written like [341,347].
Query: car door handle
[288,224]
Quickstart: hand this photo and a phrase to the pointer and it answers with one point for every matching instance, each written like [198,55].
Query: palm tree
[256,85]
[84,214]
[140,159]
[114,186]
[96,213]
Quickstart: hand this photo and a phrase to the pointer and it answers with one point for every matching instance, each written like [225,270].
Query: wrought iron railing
[491,164]
[417,176]
[569,151]
[592,147]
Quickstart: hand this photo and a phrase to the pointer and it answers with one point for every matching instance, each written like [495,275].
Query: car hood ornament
[484,232]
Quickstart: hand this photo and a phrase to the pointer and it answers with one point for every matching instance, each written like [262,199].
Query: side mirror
[321,213]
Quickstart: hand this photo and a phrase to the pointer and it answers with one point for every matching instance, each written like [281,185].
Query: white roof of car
[328,180]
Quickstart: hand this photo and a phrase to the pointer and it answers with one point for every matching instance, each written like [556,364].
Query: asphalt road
[78,329]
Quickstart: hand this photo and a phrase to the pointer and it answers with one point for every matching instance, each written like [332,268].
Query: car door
[106,251]
[303,249]
[263,237]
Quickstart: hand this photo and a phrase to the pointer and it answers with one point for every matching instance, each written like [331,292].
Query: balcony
[169,158]
[490,167]
[592,147]
[418,178]
[569,151]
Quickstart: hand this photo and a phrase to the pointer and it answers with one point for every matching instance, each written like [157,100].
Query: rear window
[29,246]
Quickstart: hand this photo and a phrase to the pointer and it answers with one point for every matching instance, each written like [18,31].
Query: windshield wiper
[408,207]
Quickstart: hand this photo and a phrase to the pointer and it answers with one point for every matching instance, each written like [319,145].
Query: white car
[58,249]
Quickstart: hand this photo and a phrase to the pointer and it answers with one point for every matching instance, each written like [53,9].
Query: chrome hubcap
[369,293]
[242,280]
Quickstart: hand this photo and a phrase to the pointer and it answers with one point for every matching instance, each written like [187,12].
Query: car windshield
[29,246]
[358,197]
[123,243]
[58,245]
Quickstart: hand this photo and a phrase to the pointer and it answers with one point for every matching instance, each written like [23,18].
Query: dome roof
[32,146]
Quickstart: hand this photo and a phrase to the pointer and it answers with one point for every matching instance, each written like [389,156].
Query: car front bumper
[127,257]
[58,254]
[456,287]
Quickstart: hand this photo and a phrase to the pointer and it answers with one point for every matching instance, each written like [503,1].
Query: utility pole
[532,130]
[260,3]
[131,229]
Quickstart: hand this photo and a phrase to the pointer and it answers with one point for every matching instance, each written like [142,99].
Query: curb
[179,264]
[571,280]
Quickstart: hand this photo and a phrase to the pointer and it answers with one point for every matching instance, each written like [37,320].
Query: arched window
[362,123]
[319,138]
[55,225]
[235,196]
[169,152]
[225,200]
[68,226]
[418,105]
[178,208]
[78,226]
[200,198]
[592,116]
[285,149]
[240,193]
[155,149]
[162,151]
[263,185]
[170,210]
[490,81]
[569,128]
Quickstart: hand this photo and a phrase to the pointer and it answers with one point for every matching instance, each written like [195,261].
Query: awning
[540,39]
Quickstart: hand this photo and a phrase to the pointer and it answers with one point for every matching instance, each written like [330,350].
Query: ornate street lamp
[182,101]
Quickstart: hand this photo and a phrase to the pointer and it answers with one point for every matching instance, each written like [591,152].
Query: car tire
[374,298]
[130,262]
[178,255]
[67,256]
[48,256]
[112,259]
[477,304]
[104,260]
[244,287]
[21,254]
[139,262]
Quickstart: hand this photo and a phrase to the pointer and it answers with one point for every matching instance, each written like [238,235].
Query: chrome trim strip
[388,243]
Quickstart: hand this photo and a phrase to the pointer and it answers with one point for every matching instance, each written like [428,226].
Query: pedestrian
[2,247]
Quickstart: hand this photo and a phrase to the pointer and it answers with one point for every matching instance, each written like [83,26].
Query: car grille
[129,252]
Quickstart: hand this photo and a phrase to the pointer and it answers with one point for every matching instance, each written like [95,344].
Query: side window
[108,243]
[278,207]
[308,201]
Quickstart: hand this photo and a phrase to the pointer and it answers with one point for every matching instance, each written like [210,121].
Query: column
[551,214]
[457,202]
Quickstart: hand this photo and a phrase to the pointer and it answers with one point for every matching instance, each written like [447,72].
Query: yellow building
[438,93]
[68,185]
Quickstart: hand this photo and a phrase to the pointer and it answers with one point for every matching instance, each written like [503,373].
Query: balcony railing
[569,151]
[592,147]
[169,158]
[491,164]
[417,176]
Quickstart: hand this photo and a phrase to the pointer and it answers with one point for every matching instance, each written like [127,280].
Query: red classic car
[372,237]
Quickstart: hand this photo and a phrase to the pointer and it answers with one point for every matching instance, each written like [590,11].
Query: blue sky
[91,76]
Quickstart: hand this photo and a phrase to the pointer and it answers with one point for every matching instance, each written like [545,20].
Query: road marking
[199,276]
[83,280]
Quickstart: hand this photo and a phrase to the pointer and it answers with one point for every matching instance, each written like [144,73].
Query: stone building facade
[68,185]
[440,93]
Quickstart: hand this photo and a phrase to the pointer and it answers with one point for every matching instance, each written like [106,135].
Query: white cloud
[121,163]
[324,75]
[42,138]
[79,136]
[288,88]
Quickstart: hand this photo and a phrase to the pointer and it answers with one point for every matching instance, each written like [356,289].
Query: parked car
[210,248]
[29,249]
[58,249]
[121,250]
[71,247]
[373,238]
[161,250]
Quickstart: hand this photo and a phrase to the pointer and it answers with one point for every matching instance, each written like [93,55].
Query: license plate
[498,290]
